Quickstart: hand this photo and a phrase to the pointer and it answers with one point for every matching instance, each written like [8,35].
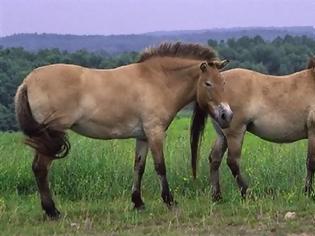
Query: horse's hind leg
[139,166]
[215,159]
[235,141]
[40,168]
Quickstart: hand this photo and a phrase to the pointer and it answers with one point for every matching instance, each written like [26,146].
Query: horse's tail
[196,130]
[43,138]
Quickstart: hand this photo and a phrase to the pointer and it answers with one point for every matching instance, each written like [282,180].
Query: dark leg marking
[40,167]
[215,159]
[139,167]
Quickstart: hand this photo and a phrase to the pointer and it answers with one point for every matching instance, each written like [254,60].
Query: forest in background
[282,55]
[115,44]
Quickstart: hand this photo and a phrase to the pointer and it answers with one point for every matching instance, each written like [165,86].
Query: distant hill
[135,42]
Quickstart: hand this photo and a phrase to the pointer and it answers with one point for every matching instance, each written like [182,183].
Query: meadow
[92,188]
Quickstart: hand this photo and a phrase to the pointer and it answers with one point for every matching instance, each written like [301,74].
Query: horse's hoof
[251,196]
[172,205]
[309,192]
[243,193]
[140,207]
[137,201]
[53,214]
[217,197]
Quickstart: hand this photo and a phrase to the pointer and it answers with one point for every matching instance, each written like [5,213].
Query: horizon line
[166,31]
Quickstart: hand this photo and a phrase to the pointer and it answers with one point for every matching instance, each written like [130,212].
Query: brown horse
[134,101]
[279,109]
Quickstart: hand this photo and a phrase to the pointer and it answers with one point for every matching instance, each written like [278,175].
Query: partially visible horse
[135,101]
[279,109]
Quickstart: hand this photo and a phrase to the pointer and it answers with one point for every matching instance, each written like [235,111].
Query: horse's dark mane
[311,63]
[178,49]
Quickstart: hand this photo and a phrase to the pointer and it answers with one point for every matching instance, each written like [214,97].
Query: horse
[279,109]
[137,101]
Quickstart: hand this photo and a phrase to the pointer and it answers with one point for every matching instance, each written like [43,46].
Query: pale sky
[106,17]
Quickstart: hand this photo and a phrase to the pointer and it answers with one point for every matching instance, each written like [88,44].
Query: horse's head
[210,92]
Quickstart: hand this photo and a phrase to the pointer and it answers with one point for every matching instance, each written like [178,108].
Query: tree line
[279,56]
[115,44]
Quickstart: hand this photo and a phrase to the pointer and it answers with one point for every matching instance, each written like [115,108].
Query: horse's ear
[219,64]
[311,63]
[224,63]
[204,66]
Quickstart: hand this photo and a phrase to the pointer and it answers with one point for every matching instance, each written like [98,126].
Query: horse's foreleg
[235,141]
[215,159]
[310,164]
[139,166]
[156,139]
[40,168]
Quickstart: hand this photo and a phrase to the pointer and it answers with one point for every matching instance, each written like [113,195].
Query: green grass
[92,188]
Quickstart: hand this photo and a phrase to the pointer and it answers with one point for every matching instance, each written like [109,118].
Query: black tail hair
[196,131]
[44,139]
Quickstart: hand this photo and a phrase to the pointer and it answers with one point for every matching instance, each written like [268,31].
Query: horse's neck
[181,80]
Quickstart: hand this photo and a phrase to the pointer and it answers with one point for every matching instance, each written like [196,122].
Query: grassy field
[92,188]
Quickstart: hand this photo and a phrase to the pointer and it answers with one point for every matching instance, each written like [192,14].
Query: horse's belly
[278,130]
[104,131]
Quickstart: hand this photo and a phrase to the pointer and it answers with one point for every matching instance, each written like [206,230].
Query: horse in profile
[134,101]
[279,109]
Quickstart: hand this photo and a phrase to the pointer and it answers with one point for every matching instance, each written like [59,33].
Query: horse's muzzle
[225,115]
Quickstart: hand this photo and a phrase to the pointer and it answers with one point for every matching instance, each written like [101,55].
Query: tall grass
[94,184]
[98,169]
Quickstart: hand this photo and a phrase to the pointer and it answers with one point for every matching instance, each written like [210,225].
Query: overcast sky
[138,16]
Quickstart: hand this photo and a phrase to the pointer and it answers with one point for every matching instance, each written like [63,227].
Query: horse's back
[87,100]
[289,90]
[275,108]
[54,75]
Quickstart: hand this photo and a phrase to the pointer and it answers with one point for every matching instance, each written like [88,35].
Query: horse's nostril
[223,117]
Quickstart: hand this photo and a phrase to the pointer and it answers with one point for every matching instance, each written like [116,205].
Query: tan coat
[134,101]
[276,108]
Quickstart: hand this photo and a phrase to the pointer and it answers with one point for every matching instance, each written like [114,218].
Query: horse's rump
[42,137]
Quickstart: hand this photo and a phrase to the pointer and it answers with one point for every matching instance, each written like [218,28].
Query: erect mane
[311,63]
[178,49]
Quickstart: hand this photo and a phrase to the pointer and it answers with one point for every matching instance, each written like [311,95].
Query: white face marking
[223,115]
[226,107]
[216,112]
[223,106]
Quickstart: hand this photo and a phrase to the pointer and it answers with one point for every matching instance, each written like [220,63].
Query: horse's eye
[208,84]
